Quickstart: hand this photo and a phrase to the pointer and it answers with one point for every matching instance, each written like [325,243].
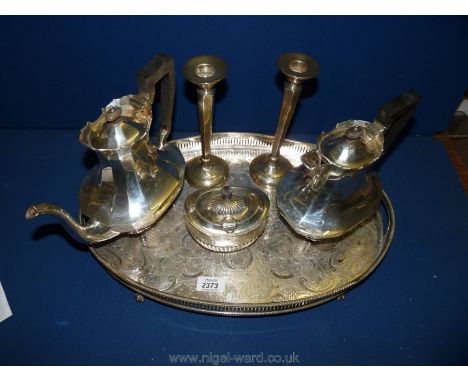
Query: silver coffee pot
[335,189]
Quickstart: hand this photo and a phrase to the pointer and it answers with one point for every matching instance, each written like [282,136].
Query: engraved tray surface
[281,272]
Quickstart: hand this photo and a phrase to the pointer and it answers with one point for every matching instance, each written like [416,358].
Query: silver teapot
[335,189]
[135,181]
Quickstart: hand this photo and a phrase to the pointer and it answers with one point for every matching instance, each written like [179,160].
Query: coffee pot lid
[228,218]
[352,145]
[122,123]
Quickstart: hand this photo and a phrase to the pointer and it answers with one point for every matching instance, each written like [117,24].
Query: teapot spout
[93,233]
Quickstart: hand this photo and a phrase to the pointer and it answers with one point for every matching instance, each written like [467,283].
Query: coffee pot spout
[92,233]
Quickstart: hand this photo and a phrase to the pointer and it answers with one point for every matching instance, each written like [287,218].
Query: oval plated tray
[280,273]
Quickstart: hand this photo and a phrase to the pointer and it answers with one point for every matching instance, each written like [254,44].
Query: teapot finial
[112,113]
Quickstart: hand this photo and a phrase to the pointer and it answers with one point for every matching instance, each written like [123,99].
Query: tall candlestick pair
[266,170]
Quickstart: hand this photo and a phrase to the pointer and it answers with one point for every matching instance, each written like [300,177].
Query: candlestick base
[213,172]
[266,172]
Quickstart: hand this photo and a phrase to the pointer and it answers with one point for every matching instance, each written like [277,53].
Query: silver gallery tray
[280,273]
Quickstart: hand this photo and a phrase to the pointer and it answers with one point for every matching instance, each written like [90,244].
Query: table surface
[68,310]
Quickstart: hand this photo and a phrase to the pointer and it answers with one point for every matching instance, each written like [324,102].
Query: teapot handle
[394,115]
[160,68]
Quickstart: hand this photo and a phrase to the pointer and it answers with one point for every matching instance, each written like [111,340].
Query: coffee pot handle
[160,68]
[394,115]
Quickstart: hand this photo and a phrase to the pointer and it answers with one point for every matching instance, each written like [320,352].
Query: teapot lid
[226,219]
[352,145]
[122,123]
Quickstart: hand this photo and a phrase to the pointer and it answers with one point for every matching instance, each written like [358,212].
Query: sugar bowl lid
[226,219]
[352,145]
